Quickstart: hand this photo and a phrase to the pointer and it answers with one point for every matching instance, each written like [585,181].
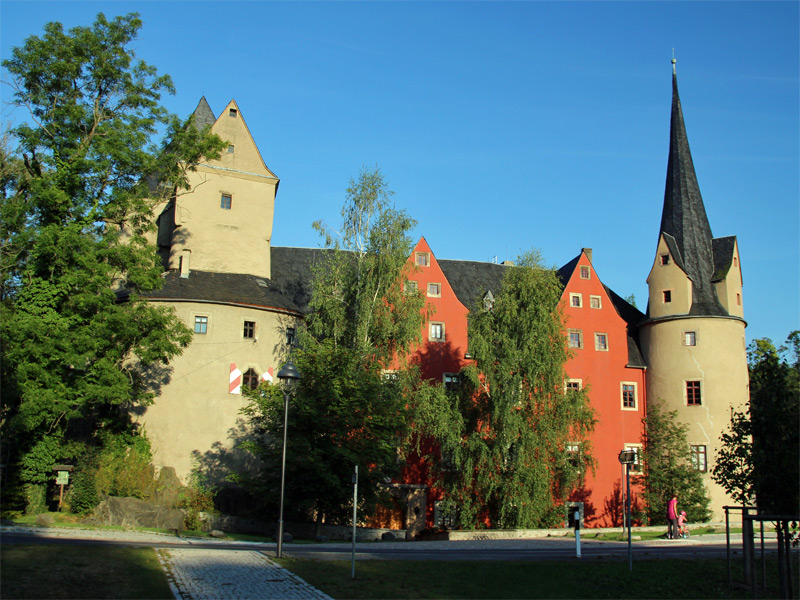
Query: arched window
[250,378]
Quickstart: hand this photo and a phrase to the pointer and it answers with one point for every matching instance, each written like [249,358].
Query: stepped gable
[471,280]
[684,217]
[223,288]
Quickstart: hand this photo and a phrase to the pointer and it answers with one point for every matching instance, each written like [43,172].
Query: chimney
[588,253]
[185,256]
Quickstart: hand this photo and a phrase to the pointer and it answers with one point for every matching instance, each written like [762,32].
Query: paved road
[199,569]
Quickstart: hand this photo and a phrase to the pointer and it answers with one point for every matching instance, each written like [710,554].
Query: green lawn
[496,579]
[41,571]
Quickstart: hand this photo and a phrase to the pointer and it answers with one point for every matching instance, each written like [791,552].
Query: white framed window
[434,290]
[573,450]
[689,338]
[436,331]
[290,336]
[576,300]
[629,395]
[699,458]
[586,272]
[411,287]
[201,324]
[422,259]
[575,338]
[636,466]
[390,374]
[249,330]
[573,384]
[595,302]
[601,342]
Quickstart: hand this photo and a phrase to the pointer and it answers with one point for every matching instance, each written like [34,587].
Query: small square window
[232,112]
[411,287]
[290,335]
[667,296]
[249,329]
[434,290]
[699,458]
[576,300]
[436,331]
[573,385]
[629,396]
[201,324]
[573,451]
[689,338]
[230,148]
[636,466]
[575,338]
[226,201]
[423,259]
[601,341]
[586,273]
[452,381]
[693,397]
[595,302]
[664,258]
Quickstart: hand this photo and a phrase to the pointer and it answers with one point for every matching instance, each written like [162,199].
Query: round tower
[693,338]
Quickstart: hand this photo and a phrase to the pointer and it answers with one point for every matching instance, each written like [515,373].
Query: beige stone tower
[214,241]
[224,224]
[693,338]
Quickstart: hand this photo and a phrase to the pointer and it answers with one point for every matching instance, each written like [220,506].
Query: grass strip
[42,571]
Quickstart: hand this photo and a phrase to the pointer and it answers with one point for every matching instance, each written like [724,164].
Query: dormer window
[667,295]
[664,258]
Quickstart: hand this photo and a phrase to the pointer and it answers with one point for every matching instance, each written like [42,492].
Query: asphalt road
[538,549]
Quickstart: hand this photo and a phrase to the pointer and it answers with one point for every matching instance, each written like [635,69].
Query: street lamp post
[628,457]
[288,376]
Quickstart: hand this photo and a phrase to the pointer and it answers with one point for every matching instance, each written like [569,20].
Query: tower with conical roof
[693,337]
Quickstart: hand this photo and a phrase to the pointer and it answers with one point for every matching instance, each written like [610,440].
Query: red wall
[603,372]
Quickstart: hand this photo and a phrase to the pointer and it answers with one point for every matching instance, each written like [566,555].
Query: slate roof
[203,115]
[684,217]
[471,279]
[223,288]
[723,256]
[292,272]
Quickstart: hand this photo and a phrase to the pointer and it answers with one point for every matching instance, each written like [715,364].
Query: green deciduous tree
[668,469]
[733,468]
[346,411]
[506,435]
[73,182]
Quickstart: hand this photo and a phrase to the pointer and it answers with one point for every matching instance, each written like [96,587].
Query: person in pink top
[672,518]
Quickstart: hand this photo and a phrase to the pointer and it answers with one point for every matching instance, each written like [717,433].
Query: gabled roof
[223,288]
[723,256]
[684,216]
[292,272]
[471,280]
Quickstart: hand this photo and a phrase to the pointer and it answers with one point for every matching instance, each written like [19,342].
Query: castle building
[693,338]
[243,298]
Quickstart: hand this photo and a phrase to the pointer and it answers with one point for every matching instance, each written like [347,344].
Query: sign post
[355,516]
[62,479]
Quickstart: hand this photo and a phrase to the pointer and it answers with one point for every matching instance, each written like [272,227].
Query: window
[738,299]
[689,338]
[249,330]
[226,201]
[693,393]
[585,272]
[573,454]
[423,259]
[576,300]
[664,258]
[636,466]
[629,396]
[667,296]
[575,338]
[390,374]
[735,262]
[601,341]
[595,302]
[452,381]
[201,324]
[411,287]
[435,290]
[436,331]
[573,384]
[233,113]
[699,462]
[250,379]
[290,334]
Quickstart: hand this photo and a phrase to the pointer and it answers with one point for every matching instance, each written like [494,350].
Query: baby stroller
[683,529]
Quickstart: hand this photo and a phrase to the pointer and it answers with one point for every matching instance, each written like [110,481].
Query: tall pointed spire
[203,115]
[684,215]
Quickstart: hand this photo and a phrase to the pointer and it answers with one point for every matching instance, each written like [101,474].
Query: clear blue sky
[503,126]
